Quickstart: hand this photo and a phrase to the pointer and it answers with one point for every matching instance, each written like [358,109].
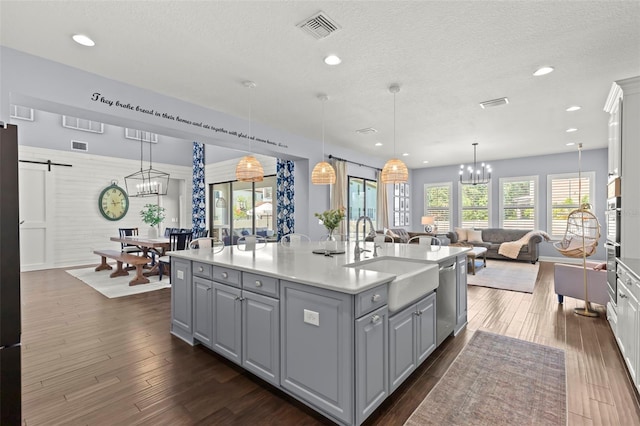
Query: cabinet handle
[225,275]
[375,318]
[200,269]
[258,283]
[376,298]
[622,296]
[240,299]
[629,282]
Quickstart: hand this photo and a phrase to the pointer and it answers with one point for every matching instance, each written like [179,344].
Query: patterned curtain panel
[198,206]
[284,193]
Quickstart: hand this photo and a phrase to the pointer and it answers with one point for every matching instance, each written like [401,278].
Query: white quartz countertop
[633,265]
[301,265]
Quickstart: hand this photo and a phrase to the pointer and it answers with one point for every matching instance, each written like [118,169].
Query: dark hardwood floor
[97,361]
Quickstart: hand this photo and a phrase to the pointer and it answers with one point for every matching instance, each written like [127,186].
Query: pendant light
[323,173]
[147,182]
[249,168]
[394,171]
[475,175]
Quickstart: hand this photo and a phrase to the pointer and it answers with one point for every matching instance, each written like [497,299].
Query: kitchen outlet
[180,275]
[311,317]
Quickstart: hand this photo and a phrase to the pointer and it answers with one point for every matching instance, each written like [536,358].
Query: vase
[152,232]
[331,244]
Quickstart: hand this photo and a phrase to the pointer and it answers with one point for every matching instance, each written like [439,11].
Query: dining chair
[294,240]
[251,243]
[177,241]
[432,242]
[168,231]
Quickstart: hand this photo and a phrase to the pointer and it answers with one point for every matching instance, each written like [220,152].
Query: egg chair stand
[581,239]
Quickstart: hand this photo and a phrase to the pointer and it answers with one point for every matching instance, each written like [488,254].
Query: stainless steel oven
[613,251]
[613,214]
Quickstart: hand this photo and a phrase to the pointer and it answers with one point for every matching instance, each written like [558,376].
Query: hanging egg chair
[581,235]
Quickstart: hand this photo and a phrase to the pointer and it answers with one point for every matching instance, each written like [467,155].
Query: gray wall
[541,166]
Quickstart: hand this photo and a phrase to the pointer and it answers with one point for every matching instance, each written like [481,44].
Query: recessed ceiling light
[425,161]
[378,143]
[83,40]
[571,130]
[405,154]
[543,71]
[573,108]
[332,60]
[570,143]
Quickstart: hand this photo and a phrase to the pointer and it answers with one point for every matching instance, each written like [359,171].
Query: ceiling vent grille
[366,131]
[494,103]
[319,26]
[79,146]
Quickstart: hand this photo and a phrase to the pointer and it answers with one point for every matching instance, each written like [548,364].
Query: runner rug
[118,286]
[506,275]
[498,380]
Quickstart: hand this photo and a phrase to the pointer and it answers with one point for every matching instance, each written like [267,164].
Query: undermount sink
[413,280]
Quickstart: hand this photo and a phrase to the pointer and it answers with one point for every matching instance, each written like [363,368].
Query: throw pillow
[462,234]
[600,267]
[474,236]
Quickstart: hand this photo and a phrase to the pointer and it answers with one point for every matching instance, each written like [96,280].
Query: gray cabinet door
[226,328]
[181,322]
[402,346]
[261,336]
[317,353]
[372,366]
[202,302]
[425,328]
[461,293]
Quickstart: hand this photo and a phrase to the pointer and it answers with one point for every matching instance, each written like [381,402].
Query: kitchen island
[336,332]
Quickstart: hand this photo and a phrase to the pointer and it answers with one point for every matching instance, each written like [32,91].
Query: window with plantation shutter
[437,203]
[518,202]
[474,206]
[82,124]
[565,193]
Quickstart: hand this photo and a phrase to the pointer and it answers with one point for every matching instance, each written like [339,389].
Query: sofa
[491,238]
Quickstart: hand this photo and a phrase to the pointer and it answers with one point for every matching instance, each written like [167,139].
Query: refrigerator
[10,330]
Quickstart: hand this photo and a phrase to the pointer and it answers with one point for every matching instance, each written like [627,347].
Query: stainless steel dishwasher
[446,301]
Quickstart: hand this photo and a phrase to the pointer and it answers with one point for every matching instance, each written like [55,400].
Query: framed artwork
[401,204]
[396,203]
[396,189]
[402,190]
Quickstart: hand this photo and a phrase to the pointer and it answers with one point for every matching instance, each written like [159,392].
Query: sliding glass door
[363,195]
[243,208]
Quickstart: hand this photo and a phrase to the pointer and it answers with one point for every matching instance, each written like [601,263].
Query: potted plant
[152,215]
[331,219]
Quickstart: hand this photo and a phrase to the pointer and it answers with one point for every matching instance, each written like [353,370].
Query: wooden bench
[475,252]
[120,257]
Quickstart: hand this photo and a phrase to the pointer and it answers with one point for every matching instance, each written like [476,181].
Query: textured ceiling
[447,56]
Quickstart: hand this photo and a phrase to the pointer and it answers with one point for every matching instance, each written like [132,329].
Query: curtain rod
[353,162]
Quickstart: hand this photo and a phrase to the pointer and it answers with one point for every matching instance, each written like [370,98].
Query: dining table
[149,248]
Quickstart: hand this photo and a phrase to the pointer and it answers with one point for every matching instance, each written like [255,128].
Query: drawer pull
[225,275]
[200,269]
[623,296]
[258,283]
[376,298]
[375,318]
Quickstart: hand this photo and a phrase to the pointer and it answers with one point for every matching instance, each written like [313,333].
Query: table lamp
[429,224]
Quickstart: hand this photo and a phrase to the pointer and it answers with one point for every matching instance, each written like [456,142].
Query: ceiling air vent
[79,146]
[494,103]
[366,131]
[319,26]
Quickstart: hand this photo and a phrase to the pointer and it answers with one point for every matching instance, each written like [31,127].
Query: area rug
[498,380]
[119,286]
[506,275]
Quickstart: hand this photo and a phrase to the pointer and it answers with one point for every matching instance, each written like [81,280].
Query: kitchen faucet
[357,250]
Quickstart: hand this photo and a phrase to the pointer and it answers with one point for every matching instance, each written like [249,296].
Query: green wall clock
[113,202]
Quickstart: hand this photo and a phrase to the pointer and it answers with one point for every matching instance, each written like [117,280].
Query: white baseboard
[562,259]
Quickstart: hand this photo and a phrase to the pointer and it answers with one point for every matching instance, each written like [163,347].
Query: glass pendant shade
[395,171]
[249,169]
[323,174]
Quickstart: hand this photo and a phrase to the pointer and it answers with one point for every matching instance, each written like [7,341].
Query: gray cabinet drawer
[371,299]
[260,284]
[202,270]
[226,276]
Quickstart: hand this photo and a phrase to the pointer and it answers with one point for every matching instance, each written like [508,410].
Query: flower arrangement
[152,214]
[331,218]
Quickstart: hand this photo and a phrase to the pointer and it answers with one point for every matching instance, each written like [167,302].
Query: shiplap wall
[78,228]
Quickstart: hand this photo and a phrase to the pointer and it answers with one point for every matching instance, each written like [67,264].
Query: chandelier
[394,170]
[323,173]
[475,175]
[146,182]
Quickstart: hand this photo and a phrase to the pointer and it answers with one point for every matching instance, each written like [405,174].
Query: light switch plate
[312,317]
[180,275]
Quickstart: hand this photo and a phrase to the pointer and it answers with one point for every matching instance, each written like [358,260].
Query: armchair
[568,280]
